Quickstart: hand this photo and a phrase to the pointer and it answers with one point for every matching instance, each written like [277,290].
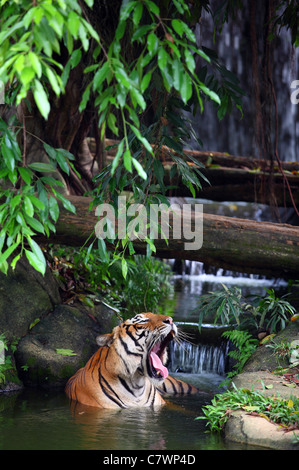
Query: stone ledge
[257,431]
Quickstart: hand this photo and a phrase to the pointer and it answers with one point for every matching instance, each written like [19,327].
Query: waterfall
[198,359]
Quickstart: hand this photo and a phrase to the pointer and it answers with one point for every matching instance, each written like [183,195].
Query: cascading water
[198,359]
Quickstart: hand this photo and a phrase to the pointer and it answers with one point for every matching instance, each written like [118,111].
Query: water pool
[40,420]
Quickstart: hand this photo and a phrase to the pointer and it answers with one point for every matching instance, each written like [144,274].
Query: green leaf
[137,13]
[73,23]
[26,75]
[124,267]
[36,257]
[8,252]
[102,250]
[25,174]
[178,27]
[209,93]
[178,73]
[152,43]
[145,81]
[117,157]
[15,201]
[37,320]
[28,206]
[158,170]
[152,7]
[190,61]
[41,99]
[65,352]
[163,58]
[139,169]
[36,202]
[8,156]
[54,80]
[62,162]
[42,167]
[127,160]
[53,208]
[135,94]
[100,76]
[34,223]
[85,98]
[66,203]
[111,121]
[142,139]
[186,88]
[189,33]
[35,62]
[140,33]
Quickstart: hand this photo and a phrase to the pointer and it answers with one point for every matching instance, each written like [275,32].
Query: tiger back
[128,369]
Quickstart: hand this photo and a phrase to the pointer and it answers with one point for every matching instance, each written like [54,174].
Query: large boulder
[25,296]
[264,357]
[31,315]
[61,343]
[257,431]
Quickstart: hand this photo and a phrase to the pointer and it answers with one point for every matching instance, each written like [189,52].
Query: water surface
[40,420]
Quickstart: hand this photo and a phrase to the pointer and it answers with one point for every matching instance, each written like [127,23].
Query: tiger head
[141,345]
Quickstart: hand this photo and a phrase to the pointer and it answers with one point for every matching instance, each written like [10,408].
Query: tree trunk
[237,244]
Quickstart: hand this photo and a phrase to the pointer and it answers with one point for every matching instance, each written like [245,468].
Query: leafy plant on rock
[275,409]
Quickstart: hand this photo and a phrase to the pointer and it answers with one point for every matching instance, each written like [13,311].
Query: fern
[245,346]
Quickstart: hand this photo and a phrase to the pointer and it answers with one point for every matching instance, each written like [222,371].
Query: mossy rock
[67,328]
[25,295]
[264,358]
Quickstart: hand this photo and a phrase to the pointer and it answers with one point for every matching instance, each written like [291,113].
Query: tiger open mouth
[155,366]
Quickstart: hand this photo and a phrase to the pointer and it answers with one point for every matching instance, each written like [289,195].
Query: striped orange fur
[128,369]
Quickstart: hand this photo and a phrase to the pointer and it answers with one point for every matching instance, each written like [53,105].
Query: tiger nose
[168,320]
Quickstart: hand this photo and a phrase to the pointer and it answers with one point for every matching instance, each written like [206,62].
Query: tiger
[128,369]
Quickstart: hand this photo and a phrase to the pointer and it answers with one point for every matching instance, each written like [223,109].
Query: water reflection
[39,420]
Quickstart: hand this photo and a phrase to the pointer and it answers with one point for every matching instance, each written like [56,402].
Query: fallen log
[236,244]
[232,178]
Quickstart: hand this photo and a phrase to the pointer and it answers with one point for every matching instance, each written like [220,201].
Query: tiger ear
[104,340]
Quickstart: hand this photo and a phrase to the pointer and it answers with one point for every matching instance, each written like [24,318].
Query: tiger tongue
[157,364]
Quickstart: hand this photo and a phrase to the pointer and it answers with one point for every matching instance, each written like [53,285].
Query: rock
[267,383]
[31,313]
[294,359]
[257,375]
[25,295]
[264,358]
[66,328]
[257,431]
